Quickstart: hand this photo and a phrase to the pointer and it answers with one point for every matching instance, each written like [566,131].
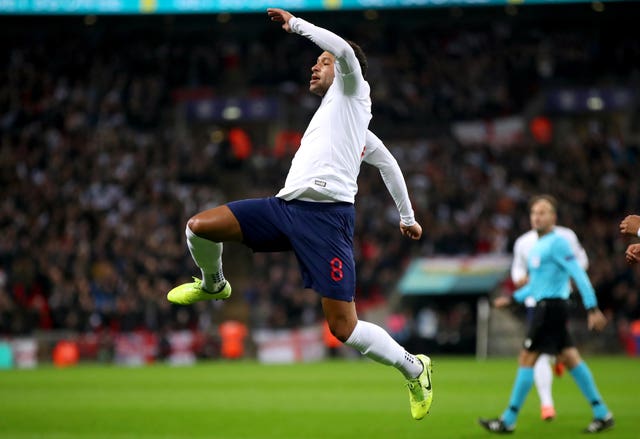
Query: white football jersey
[326,166]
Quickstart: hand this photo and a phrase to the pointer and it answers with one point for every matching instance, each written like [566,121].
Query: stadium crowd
[99,170]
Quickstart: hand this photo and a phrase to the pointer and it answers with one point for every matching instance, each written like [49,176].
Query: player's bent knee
[196,225]
[218,224]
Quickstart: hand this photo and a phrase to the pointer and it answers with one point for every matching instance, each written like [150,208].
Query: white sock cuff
[374,342]
[354,339]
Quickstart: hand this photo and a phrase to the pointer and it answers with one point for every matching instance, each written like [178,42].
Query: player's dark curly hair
[362,58]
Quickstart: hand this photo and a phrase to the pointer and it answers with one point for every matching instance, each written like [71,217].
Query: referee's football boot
[420,391]
[598,425]
[193,292]
[496,426]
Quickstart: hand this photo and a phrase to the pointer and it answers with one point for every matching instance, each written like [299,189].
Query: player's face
[542,216]
[322,74]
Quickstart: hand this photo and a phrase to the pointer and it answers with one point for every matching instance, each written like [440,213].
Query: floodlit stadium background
[115,129]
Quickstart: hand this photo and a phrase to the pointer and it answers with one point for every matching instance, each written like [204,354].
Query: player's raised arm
[348,66]
[280,16]
[324,38]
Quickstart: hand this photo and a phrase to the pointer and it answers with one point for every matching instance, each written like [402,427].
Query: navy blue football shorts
[320,235]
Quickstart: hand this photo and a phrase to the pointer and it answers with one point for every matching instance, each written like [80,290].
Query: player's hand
[280,16]
[502,301]
[596,320]
[630,225]
[632,255]
[413,232]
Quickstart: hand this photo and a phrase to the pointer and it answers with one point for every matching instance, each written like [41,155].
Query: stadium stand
[101,163]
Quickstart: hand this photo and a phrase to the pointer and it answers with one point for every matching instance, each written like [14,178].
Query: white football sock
[543,377]
[208,257]
[374,342]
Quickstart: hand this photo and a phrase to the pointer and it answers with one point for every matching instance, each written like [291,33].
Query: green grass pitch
[337,399]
